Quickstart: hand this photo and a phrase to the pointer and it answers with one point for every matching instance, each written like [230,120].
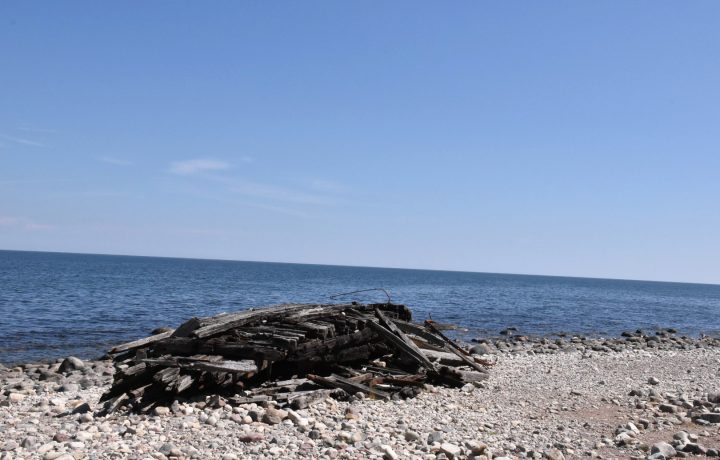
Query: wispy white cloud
[115,161]
[323,185]
[23,223]
[275,193]
[21,140]
[198,165]
[31,129]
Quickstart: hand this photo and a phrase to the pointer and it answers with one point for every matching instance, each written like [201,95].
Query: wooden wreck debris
[293,354]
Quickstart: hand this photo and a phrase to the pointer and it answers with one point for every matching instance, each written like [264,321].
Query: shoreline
[512,340]
[577,399]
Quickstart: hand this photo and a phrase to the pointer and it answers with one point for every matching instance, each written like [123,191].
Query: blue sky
[564,138]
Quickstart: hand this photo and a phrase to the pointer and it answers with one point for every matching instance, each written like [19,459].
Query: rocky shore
[642,395]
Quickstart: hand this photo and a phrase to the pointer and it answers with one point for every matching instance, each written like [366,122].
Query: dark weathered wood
[466,359]
[244,351]
[431,325]
[335,381]
[295,311]
[140,342]
[408,343]
[420,331]
[114,404]
[425,345]
[401,345]
[234,367]
[410,380]
[444,357]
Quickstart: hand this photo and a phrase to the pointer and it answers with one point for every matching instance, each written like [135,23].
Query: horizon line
[364,266]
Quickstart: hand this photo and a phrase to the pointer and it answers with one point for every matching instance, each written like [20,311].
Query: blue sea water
[56,304]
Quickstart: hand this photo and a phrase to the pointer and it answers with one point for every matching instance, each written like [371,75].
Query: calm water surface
[54,305]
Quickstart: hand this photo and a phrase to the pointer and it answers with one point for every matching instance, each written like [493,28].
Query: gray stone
[694,448]
[481,349]
[29,442]
[166,448]
[435,436]
[70,364]
[69,387]
[712,417]
[451,450]
[669,408]
[664,449]
[161,410]
[273,416]
[653,381]
[389,453]
[412,436]
[554,454]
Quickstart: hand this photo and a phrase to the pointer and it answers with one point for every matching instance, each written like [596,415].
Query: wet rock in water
[71,364]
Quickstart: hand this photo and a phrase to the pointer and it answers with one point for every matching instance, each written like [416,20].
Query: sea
[54,305]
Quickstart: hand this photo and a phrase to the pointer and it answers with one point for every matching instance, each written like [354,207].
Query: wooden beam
[140,342]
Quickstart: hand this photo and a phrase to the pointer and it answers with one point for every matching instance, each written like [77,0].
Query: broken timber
[291,353]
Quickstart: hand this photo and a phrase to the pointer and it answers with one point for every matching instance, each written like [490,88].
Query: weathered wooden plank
[400,344]
[140,342]
[183,383]
[444,357]
[466,359]
[424,344]
[314,348]
[294,311]
[234,367]
[114,404]
[335,381]
[409,343]
[418,330]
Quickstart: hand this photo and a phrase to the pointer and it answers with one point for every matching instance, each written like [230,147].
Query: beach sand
[562,403]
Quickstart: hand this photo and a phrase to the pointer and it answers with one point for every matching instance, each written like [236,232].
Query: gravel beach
[639,396]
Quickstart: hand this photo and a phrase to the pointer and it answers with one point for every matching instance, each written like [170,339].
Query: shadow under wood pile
[291,353]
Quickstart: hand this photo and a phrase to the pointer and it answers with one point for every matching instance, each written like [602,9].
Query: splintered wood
[291,353]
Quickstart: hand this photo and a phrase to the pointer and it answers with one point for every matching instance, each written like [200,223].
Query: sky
[572,138]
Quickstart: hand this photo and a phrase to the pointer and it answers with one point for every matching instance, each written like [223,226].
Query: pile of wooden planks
[291,353]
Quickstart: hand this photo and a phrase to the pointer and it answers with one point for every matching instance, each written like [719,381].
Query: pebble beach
[637,396]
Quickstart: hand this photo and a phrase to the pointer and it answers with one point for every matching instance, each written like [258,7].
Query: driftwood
[295,354]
